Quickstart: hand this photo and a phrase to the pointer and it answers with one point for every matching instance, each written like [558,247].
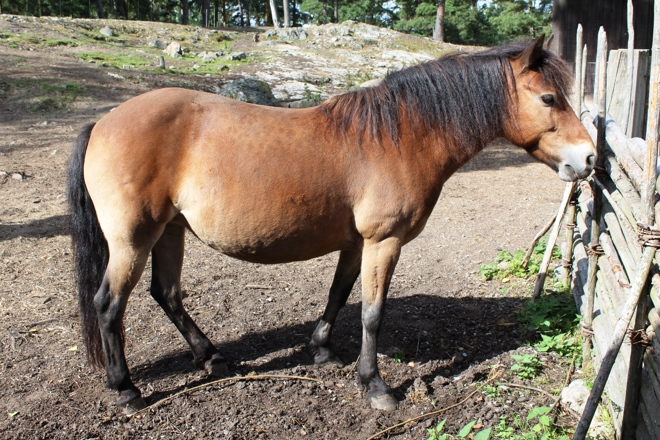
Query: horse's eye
[548,100]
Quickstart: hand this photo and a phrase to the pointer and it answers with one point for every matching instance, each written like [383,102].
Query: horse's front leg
[348,269]
[378,262]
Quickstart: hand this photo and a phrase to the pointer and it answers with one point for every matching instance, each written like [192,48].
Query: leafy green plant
[554,317]
[436,433]
[527,366]
[464,432]
[491,390]
[536,426]
[564,344]
[509,264]
[308,95]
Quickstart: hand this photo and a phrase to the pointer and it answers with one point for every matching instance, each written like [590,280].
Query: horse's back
[258,183]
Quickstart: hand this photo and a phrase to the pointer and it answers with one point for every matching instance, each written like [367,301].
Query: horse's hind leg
[348,269]
[167,258]
[124,269]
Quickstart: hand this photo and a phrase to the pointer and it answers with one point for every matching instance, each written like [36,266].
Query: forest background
[472,22]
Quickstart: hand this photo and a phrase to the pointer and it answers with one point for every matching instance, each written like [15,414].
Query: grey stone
[575,396]
[371,83]
[107,32]
[237,56]
[158,44]
[209,58]
[174,50]
[305,103]
[249,90]
[223,68]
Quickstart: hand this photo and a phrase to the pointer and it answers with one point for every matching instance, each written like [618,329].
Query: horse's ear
[531,55]
[548,43]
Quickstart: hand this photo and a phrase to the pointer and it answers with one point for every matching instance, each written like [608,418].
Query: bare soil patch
[444,325]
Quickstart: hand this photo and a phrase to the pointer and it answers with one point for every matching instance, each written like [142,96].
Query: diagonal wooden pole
[552,239]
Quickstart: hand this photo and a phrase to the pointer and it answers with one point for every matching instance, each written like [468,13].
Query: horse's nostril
[591,160]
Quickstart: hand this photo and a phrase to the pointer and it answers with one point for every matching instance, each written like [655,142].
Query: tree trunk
[325,11]
[335,12]
[273,11]
[99,8]
[439,30]
[294,14]
[286,14]
[184,11]
[247,13]
[123,9]
[240,12]
[206,13]
[224,13]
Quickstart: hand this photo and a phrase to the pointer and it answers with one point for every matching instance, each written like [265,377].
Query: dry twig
[226,379]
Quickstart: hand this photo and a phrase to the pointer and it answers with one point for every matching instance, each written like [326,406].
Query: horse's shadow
[453,333]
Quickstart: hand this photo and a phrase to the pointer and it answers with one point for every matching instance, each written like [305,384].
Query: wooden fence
[613,217]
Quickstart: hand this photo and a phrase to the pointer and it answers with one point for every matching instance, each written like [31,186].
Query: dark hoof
[133,406]
[384,402]
[217,366]
[329,361]
[326,357]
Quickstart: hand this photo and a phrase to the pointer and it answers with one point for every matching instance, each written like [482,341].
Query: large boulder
[249,90]
[174,50]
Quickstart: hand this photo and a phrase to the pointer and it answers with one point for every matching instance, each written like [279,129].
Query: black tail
[90,248]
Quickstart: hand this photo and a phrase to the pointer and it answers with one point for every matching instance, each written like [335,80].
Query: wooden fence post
[593,249]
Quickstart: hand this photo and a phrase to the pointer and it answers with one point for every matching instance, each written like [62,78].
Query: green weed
[308,95]
[554,317]
[509,264]
[492,391]
[527,366]
[398,355]
[464,432]
[536,426]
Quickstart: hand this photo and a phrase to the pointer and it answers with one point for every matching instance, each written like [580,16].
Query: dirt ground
[444,329]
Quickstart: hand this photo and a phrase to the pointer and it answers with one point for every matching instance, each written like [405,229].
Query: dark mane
[461,97]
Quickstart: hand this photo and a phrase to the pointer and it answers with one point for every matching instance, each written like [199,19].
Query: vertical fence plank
[577,98]
[626,125]
[590,291]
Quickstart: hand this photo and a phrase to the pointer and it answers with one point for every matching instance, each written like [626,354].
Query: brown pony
[359,174]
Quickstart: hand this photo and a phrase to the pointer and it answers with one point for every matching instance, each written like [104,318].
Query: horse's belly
[273,238]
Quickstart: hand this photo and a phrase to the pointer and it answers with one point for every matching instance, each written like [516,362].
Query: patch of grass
[45,96]
[413,44]
[117,60]
[32,39]
[355,79]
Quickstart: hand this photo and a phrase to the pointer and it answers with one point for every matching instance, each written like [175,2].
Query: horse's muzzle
[578,163]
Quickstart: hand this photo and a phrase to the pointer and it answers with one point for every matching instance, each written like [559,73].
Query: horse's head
[543,122]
